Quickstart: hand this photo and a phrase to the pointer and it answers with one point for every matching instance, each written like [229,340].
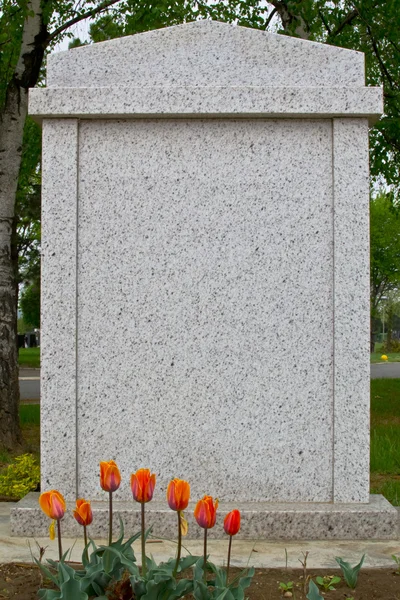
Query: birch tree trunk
[12,120]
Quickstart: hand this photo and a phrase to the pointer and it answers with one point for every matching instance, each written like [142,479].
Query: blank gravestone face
[210,200]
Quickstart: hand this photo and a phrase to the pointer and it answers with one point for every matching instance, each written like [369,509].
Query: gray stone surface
[252,101]
[206,53]
[214,271]
[257,553]
[260,520]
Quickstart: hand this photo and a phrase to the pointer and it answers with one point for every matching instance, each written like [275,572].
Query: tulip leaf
[350,573]
[313,592]
[46,572]
[186,562]
[45,594]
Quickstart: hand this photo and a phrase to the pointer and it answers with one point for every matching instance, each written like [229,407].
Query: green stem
[179,545]
[143,545]
[205,555]
[110,520]
[59,539]
[85,540]
[229,560]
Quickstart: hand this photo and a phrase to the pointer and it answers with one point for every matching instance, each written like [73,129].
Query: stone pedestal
[205,272]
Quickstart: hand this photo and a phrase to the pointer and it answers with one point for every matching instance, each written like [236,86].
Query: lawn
[385,438]
[29,358]
[392,357]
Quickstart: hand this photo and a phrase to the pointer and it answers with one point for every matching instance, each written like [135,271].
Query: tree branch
[383,68]
[90,13]
[321,14]
[270,17]
[346,21]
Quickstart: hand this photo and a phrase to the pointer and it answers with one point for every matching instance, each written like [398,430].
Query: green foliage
[397,561]
[286,587]
[313,592]
[385,248]
[218,588]
[328,582]
[350,573]
[394,347]
[20,477]
[109,567]
[30,304]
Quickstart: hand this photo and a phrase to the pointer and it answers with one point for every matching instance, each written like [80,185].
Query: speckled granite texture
[269,521]
[211,274]
[207,101]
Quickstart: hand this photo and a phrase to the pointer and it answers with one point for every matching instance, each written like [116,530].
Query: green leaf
[350,573]
[313,592]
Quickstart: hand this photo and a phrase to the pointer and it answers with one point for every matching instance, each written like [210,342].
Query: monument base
[261,520]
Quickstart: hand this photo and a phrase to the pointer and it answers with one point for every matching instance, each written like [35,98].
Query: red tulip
[232,522]
[83,512]
[110,477]
[142,485]
[52,504]
[206,512]
[178,494]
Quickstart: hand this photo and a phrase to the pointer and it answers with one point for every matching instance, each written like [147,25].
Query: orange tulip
[206,512]
[232,522]
[110,477]
[178,494]
[52,504]
[83,512]
[142,485]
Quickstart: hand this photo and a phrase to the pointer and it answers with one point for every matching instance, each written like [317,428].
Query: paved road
[29,379]
[385,371]
[29,384]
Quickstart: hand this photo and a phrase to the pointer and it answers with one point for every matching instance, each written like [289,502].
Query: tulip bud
[52,504]
[83,512]
[178,494]
[110,477]
[232,522]
[206,512]
[142,485]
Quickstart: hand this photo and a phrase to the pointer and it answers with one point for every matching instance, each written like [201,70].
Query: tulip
[110,479]
[142,486]
[231,527]
[53,505]
[205,514]
[83,514]
[232,522]
[178,494]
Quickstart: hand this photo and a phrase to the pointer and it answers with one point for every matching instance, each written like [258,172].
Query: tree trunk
[12,121]
[389,326]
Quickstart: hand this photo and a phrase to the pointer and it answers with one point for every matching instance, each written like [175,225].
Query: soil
[22,581]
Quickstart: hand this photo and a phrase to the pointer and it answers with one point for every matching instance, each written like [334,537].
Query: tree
[385,252]
[30,305]
[29,29]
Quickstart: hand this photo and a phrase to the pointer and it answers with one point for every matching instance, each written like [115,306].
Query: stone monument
[205,251]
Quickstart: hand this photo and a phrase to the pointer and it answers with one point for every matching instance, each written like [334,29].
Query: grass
[385,438]
[392,356]
[29,358]
[29,414]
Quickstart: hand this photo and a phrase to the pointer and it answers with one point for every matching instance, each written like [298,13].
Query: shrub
[394,346]
[20,477]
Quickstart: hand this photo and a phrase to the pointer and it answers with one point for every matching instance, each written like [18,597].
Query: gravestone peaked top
[205,274]
[206,67]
